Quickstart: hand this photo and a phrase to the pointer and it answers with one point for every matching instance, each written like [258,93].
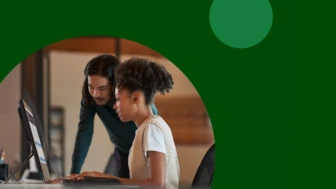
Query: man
[98,98]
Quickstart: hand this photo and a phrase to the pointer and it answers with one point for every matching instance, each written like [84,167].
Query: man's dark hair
[144,75]
[103,65]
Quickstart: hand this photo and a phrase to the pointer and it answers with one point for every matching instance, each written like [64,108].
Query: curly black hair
[103,65]
[144,75]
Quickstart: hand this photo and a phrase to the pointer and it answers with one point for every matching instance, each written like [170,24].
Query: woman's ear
[136,98]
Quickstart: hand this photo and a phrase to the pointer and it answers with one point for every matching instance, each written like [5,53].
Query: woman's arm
[154,146]
[155,151]
[157,168]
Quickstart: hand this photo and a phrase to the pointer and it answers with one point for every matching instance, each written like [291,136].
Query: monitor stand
[31,177]
[20,167]
[31,174]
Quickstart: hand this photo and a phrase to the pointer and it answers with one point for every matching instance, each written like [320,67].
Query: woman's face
[124,106]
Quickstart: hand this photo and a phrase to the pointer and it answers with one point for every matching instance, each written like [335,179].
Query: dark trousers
[118,164]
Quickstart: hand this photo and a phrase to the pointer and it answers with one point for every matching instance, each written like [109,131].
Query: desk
[68,186]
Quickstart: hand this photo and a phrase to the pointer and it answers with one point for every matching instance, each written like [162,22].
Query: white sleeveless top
[154,134]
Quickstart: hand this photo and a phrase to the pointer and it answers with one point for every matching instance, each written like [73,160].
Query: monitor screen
[36,138]
[30,128]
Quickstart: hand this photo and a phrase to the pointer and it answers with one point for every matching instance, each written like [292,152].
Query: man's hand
[60,179]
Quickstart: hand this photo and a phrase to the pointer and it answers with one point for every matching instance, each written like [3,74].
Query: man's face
[99,88]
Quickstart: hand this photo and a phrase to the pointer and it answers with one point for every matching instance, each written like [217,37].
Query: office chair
[205,172]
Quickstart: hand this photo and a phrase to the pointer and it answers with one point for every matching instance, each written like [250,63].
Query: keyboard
[93,180]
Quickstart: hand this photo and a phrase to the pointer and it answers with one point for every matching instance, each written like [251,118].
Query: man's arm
[83,137]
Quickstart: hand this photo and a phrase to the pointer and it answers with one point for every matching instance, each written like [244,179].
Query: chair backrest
[205,172]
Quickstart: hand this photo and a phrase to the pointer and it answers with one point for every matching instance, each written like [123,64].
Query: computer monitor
[32,135]
[31,132]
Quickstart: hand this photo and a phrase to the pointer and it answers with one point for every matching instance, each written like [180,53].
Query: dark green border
[272,106]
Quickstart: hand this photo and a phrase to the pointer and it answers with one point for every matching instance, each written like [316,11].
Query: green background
[272,106]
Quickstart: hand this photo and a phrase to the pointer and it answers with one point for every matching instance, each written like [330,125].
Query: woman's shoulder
[153,119]
[156,121]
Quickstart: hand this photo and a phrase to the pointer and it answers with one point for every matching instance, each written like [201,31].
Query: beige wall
[10,128]
[66,82]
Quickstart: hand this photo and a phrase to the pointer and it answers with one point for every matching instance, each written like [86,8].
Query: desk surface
[70,186]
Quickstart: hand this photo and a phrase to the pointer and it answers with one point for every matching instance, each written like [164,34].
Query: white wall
[67,76]
[10,128]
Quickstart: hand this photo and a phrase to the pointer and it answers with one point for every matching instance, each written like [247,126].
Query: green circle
[241,23]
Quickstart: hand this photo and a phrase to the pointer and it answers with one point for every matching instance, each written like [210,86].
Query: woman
[98,99]
[153,160]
